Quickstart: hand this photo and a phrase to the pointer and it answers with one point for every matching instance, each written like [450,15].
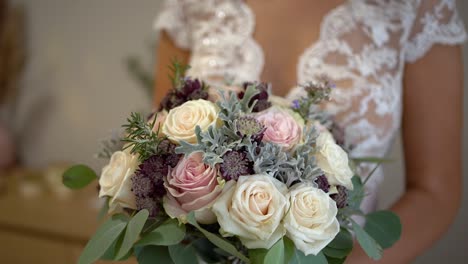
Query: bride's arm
[166,52]
[432,127]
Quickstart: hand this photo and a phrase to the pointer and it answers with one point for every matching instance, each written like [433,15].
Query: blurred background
[70,73]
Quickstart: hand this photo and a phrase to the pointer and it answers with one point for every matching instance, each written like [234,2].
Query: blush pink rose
[282,127]
[192,186]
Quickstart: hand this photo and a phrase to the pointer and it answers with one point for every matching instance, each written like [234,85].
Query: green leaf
[384,227]
[341,245]
[257,256]
[169,233]
[300,258]
[104,237]
[154,254]
[132,232]
[183,254]
[276,253]
[368,244]
[336,253]
[112,250]
[371,160]
[78,177]
[356,195]
[104,209]
[289,249]
[335,260]
[218,241]
[206,250]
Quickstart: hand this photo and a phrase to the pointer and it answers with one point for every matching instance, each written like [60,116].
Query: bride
[395,63]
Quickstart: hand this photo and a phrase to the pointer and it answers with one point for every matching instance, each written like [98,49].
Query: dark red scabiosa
[191,89]
[235,163]
[341,198]
[148,181]
[261,97]
[322,183]
[247,126]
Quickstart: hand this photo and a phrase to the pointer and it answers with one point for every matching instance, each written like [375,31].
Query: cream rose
[252,209]
[116,181]
[311,220]
[181,121]
[192,186]
[333,160]
[283,127]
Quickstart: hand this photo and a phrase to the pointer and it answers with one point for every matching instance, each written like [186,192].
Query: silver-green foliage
[216,141]
[288,167]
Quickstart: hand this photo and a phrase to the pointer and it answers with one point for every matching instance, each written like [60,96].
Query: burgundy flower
[190,90]
[341,198]
[235,164]
[322,183]
[247,126]
[261,97]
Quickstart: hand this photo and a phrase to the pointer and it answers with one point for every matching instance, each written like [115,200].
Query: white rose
[333,160]
[311,220]
[181,121]
[252,209]
[116,181]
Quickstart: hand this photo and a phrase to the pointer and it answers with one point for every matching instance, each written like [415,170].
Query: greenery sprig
[178,70]
[141,137]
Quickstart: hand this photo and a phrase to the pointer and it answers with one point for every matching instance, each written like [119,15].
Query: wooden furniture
[40,226]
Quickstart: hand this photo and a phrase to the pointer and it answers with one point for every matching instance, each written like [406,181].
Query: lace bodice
[363,47]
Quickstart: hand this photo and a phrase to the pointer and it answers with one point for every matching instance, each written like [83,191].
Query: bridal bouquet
[232,176]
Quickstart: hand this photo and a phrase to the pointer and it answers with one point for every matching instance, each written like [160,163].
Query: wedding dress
[363,47]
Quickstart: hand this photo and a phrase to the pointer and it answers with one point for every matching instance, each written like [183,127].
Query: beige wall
[77,86]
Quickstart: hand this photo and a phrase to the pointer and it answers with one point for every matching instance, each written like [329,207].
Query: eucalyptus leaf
[218,241]
[112,250]
[343,240]
[275,254]
[356,195]
[206,250]
[335,260]
[132,232]
[104,237]
[300,258]
[104,209]
[368,244]
[384,227]
[169,233]
[183,254]
[257,255]
[289,249]
[78,176]
[153,255]
[336,253]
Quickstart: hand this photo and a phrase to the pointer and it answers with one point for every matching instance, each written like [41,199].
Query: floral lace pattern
[363,47]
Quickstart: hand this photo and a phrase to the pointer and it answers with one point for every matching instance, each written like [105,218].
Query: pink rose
[282,127]
[192,186]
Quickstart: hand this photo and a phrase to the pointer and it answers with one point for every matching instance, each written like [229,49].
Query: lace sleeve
[171,18]
[435,21]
